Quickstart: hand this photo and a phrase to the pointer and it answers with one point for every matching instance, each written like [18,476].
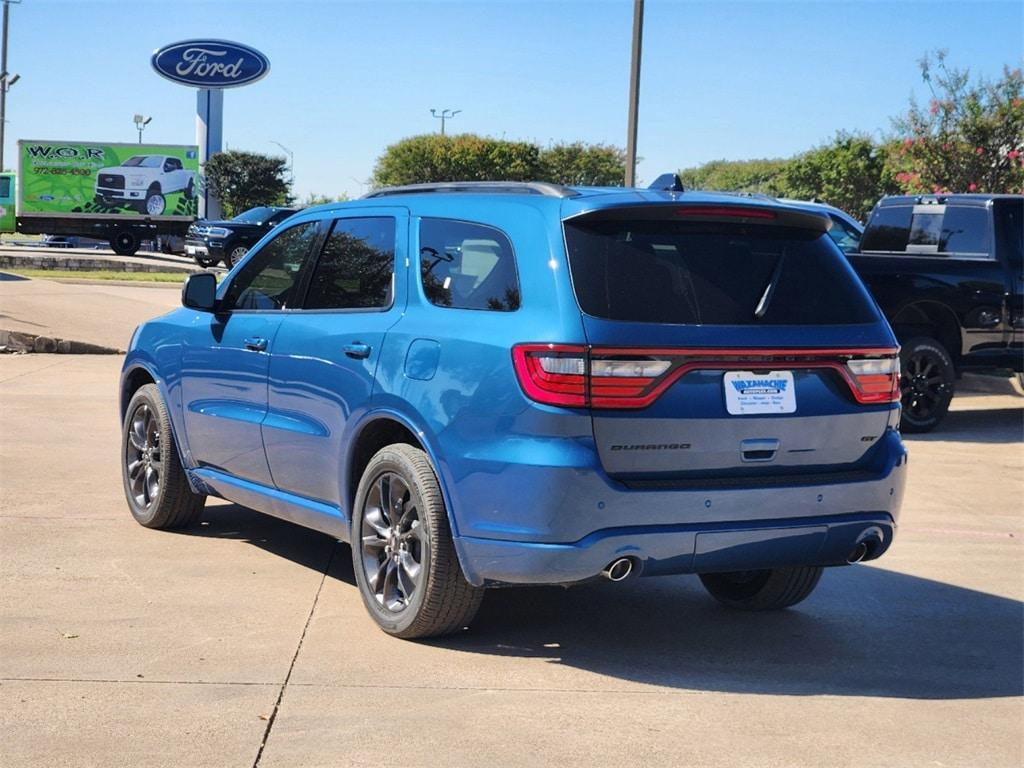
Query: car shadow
[992,425]
[866,631]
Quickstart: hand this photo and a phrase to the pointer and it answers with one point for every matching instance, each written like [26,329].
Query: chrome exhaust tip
[618,570]
[859,553]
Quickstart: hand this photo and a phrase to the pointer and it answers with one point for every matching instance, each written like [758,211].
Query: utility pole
[634,92]
[6,81]
[446,114]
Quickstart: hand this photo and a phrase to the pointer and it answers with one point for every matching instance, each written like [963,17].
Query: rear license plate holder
[748,393]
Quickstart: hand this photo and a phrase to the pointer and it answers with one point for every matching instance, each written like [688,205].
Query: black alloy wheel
[926,384]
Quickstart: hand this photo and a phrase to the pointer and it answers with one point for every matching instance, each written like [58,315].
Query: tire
[155,203]
[233,254]
[402,553]
[155,485]
[927,381]
[768,590]
[206,261]
[124,243]
[190,190]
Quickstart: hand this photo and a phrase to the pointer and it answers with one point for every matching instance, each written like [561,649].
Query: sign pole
[209,138]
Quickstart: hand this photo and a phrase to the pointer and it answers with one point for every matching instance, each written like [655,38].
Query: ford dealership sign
[210,63]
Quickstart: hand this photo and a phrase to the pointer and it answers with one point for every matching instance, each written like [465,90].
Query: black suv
[946,271]
[210,242]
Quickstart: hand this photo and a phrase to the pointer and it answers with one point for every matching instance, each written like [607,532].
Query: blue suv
[487,384]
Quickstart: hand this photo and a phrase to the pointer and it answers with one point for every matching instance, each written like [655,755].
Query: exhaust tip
[618,570]
[859,553]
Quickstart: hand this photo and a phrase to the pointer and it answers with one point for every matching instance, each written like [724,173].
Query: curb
[14,342]
[76,263]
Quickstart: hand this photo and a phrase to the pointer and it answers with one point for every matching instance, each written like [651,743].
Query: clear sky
[724,79]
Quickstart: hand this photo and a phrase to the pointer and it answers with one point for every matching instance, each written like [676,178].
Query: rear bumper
[683,549]
[692,530]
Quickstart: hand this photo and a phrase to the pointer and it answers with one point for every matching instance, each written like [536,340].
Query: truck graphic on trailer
[142,181]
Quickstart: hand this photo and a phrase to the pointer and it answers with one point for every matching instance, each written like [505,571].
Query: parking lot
[243,642]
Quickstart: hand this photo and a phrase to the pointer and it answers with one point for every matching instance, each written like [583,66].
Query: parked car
[947,272]
[845,232]
[143,181]
[71,241]
[484,384]
[211,242]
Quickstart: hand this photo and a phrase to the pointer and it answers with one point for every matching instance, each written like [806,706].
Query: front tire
[765,590]
[927,379]
[155,203]
[403,556]
[155,485]
[124,243]
[206,261]
[234,254]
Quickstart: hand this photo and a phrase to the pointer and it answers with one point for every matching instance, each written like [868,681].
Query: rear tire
[124,243]
[402,552]
[766,590]
[155,485]
[927,381]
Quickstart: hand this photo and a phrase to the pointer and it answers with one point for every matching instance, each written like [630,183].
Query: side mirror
[200,291]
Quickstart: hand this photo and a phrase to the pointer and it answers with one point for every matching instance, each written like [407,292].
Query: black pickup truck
[947,272]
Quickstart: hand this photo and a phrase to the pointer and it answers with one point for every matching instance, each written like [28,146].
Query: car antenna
[668,182]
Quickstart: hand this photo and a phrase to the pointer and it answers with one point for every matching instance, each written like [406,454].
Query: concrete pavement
[104,315]
[243,641]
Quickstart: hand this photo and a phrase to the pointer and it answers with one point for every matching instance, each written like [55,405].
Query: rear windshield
[712,274]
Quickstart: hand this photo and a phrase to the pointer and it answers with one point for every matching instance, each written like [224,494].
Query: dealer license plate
[747,392]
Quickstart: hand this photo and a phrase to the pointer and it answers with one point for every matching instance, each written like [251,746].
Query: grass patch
[98,274]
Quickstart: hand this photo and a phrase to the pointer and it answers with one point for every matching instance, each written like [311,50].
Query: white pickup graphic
[747,392]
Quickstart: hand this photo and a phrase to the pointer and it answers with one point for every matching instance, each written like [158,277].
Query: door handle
[255,344]
[357,349]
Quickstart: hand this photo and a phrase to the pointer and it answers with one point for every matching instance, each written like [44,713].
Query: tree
[313,198]
[579,164]
[464,157]
[243,180]
[850,173]
[758,176]
[970,137]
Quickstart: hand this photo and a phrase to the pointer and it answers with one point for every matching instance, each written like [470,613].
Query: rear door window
[711,274]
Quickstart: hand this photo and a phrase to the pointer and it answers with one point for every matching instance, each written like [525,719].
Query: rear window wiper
[769,290]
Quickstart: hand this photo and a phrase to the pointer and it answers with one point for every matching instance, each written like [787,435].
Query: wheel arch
[136,375]
[929,318]
[384,427]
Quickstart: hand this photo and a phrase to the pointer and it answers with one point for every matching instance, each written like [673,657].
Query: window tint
[1010,230]
[965,230]
[888,230]
[5,186]
[467,266]
[356,266]
[267,279]
[712,274]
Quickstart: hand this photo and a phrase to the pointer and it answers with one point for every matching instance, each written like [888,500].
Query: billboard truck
[122,193]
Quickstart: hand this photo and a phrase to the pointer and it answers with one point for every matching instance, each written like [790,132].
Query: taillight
[729,211]
[575,376]
[554,374]
[875,379]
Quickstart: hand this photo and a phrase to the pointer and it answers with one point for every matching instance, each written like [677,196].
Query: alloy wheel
[393,543]
[923,385]
[143,457]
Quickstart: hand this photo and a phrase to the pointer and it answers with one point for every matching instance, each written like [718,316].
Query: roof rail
[508,187]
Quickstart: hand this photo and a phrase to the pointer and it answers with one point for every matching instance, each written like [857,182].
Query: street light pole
[141,123]
[446,114]
[634,92]
[5,82]
[291,162]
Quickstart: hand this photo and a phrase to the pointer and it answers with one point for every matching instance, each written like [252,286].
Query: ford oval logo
[210,63]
